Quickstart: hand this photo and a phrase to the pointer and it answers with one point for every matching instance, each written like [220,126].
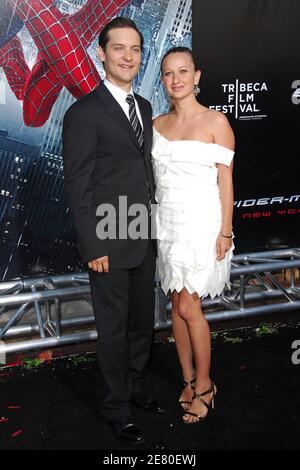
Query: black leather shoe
[126,430]
[145,402]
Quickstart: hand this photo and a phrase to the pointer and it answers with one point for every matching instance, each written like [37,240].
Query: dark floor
[55,405]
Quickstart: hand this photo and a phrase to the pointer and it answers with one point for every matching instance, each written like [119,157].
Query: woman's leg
[184,350]
[189,309]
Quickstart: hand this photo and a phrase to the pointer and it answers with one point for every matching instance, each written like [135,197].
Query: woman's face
[179,75]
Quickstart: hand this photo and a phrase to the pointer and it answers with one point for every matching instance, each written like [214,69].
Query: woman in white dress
[192,159]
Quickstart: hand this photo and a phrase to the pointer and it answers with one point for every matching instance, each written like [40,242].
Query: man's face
[122,56]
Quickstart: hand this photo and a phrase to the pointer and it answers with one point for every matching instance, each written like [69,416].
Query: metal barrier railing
[255,290]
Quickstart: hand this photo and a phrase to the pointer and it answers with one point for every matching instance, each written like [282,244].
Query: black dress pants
[123,301]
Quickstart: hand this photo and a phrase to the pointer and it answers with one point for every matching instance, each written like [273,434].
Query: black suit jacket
[103,160]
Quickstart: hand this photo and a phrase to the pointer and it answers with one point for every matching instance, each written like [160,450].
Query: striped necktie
[134,120]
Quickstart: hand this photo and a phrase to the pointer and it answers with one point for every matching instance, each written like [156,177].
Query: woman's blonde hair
[181,49]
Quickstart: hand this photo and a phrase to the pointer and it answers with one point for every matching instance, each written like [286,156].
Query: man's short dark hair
[118,22]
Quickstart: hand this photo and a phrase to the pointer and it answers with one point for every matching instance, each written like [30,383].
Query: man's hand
[99,265]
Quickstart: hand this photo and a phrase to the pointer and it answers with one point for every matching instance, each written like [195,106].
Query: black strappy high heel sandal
[198,396]
[187,384]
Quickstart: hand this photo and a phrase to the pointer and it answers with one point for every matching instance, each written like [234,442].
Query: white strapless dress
[188,216]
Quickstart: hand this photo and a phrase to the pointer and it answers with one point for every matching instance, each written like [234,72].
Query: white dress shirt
[120,96]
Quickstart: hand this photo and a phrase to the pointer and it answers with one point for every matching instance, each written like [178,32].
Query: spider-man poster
[47,60]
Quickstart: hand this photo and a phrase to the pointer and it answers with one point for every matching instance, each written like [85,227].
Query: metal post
[245,300]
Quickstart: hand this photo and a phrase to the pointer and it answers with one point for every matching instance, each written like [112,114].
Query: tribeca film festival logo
[241,100]
[296,94]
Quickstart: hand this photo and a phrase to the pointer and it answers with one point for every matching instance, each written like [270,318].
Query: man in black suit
[107,139]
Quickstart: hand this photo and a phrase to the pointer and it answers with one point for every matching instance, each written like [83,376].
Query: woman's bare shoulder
[216,117]
[159,121]
[221,129]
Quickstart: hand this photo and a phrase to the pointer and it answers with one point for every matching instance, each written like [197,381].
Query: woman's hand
[223,245]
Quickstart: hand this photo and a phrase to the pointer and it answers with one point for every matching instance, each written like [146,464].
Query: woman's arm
[226,196]
[223,135]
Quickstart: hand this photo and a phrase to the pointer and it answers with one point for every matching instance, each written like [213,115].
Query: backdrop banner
[248,53]
[41,44]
